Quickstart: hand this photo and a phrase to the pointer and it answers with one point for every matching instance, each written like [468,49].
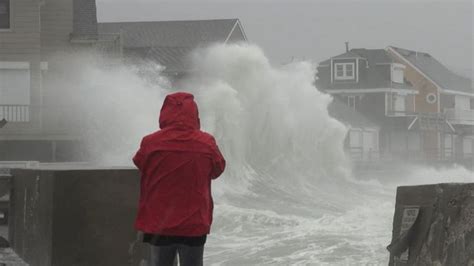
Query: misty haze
[322,109]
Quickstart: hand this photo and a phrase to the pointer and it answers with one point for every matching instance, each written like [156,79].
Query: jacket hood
[179,110]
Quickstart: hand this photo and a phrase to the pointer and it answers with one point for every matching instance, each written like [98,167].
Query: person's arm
[218,161]
[139,156]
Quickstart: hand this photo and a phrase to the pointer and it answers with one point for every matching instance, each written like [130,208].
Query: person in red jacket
[177,164]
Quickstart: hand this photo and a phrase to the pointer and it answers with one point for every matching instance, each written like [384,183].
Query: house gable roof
[174,58]
[169,42]
[434,70]
[373,56]
[349,54]
[376,76]
[191,33]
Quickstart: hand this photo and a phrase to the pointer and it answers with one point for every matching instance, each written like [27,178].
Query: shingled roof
[168,42]
[373,56]
[434,70]
[174,58]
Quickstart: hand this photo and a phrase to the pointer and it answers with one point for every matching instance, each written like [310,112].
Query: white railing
[15,113]
[457,116]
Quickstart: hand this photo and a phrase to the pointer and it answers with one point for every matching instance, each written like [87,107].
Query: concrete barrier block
[75,217]
[433,225]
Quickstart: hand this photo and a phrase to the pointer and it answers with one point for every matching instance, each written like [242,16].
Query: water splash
[268,119]
[108,104]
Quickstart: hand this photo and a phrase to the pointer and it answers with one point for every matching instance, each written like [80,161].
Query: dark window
[339,70]
[349,70]
[344,71]
[4,14]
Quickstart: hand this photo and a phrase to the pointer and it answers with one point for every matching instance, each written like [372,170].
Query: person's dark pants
[166,255]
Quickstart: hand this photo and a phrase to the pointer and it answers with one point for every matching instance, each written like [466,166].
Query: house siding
[323,77]
[422,84]
[372,105]
[37,31]
[431,141]
[363,73]
[56,26]
[22,44]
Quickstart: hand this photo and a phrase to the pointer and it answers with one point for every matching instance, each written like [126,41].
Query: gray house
[370,82]
[30,33]
[169,42]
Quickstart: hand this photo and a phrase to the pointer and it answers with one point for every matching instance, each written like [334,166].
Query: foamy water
[288,196]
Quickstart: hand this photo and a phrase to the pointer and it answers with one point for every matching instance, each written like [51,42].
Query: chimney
[347,46]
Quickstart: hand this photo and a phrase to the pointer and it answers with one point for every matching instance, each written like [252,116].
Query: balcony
[459,117]
[15,113]
[34,121]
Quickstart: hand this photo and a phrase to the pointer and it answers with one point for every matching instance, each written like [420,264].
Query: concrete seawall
[433,225]
[75,217]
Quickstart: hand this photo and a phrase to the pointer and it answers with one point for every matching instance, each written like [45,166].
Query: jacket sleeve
[139,157]
[218,161]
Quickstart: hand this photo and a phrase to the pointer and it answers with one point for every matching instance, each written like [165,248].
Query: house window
[468,146]
[448,146]
[14,91]
[462,102]
[397,73]
[431,98]
[351,101]
[370,144]
[398,103]
[350,70]
[344,71]
[339,70]
[4,14]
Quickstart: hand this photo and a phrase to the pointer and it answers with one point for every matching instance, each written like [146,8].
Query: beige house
[443,98]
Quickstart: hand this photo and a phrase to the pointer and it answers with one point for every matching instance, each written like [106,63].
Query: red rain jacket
[176,166]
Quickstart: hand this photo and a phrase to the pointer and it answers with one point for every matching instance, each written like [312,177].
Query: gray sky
[317,30]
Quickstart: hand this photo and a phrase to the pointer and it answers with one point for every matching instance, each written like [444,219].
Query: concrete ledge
[433,225]
[75,217]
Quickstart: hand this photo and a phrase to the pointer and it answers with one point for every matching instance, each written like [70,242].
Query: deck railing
[15,113]
[458,116]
